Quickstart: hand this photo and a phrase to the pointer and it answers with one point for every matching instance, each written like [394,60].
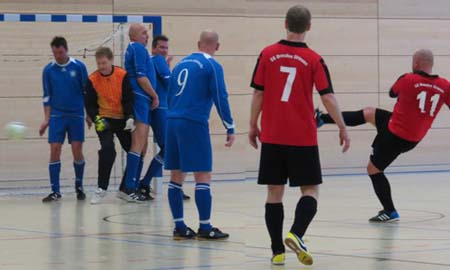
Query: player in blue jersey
[141,72]
[196,83]
[161,60]
[64,80]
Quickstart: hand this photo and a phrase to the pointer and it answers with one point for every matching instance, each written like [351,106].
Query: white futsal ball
[15,130]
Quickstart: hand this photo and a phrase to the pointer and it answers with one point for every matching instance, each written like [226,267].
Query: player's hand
[43,127]
[129,125]
[89,122]
[169,60]
[344,140]
[230,140]
[253,136]
[101,124]
[155,103]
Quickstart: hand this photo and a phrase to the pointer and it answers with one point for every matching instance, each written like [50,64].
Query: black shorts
[299,164]
[386,146]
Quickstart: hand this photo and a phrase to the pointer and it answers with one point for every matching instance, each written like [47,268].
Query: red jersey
[286,72]
[420,97]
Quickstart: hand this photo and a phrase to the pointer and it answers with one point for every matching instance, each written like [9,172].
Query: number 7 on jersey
[292,72]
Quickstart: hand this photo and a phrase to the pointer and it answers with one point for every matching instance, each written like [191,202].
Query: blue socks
[175,195]
[154,170]
[139,171]
[203,200]
[54,169]
[79,172]
[133,160]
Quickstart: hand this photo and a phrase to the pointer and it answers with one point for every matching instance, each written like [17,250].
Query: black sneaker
[80,194]
[186,197]
[186,234]
[213,234]
[131,196]
[385,217]
[52,197]
[145,191]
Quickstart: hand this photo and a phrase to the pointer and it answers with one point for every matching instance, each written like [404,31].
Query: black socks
[354,118]
[304,214]
[383,190]
[274,222]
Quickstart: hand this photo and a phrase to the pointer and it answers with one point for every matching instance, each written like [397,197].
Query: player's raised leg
[351,118]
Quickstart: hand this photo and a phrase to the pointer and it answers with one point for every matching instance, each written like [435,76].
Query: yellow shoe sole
[303,256]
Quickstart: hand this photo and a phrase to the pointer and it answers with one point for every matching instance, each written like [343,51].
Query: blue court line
[254,171]
[234,180]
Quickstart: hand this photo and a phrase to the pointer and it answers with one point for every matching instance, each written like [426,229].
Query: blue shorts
[142,109]
[60,125]
[188,146]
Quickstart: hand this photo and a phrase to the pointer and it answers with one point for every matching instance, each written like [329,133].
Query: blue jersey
[138,63]
[196,83]
[64,86]
[162,79]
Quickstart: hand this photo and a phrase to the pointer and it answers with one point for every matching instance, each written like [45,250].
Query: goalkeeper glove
[101,124]
[129,125]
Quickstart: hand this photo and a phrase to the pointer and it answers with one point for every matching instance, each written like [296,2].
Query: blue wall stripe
[27,17]
[89,18]
[59,18]
[86,18]
[120,19]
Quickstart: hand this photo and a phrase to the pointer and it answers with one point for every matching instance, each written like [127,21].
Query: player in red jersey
[420,96]
[283,81]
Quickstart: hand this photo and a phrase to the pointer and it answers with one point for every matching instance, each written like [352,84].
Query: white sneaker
[98,196]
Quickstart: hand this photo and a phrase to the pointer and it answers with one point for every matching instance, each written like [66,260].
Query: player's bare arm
[44,124]
[253,134]
[330,103]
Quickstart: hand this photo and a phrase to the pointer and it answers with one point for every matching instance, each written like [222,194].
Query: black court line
[363,257]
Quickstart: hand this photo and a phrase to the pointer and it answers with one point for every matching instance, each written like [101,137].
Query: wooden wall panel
[403,37]
[57,6]
[414,9]
[318,8]
[262,8]
[211,8]
[249,36]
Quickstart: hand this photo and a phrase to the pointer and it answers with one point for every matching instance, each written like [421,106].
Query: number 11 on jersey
[422,97]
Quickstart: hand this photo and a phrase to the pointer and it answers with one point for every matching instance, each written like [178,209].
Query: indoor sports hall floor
[115,235]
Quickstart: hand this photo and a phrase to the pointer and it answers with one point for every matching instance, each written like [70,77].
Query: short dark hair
[158,38]
[104,52]
[59,41]
[298,19]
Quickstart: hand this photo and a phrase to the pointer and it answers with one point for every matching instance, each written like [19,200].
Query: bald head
[209,41]
[138,33]
[424,55]
[423,60]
